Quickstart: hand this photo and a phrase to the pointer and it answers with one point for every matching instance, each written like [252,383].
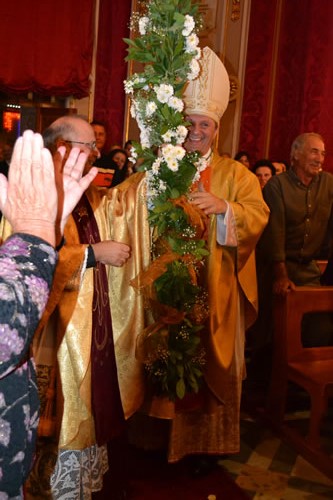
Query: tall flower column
[167,45]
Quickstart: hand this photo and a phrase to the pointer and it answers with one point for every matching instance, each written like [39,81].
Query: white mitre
[208,95]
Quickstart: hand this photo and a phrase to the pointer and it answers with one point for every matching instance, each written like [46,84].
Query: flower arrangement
[167,46]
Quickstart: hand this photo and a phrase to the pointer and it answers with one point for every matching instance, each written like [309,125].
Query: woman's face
[244,159]
[120,159]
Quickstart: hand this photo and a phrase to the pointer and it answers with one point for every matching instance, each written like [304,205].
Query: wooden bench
[310,368]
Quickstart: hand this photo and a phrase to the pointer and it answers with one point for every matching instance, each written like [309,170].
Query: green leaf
[179,18]
[180,388]
[174,193]
[180,370]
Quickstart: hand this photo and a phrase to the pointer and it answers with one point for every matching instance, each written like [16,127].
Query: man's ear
[61,142]
[59,161]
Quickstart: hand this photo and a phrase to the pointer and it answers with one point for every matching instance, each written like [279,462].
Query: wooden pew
[310,368]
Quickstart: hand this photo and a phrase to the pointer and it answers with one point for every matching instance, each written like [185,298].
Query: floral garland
[168,48]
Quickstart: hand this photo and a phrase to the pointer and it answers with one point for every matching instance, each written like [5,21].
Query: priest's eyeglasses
[91,145]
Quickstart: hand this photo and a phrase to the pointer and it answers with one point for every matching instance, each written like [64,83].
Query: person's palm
[28,199]
[71,183]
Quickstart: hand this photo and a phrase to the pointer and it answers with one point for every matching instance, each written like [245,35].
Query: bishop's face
[201,135]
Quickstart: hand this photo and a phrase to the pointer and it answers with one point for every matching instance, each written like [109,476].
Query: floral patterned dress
[26,269]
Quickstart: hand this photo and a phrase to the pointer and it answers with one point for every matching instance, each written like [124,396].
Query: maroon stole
[106,403]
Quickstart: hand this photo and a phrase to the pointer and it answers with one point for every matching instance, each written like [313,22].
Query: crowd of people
[113,161]
[263,168]
[71,245]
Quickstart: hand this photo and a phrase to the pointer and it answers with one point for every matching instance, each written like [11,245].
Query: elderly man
[231,196]
[299,230]
[78,334]
[301,220]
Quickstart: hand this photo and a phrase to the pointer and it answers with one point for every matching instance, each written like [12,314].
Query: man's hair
[240,154]
[264,163]
[99,123]
[64,128]
[300,141]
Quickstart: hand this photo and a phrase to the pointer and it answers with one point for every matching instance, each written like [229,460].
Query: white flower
[176,103]
[145,138]
[143,25]
[179,152]
[134,155]
[155,168]
[172,155]
[194,70]
[163,92]
[168,136]
[181,133]
[162,185]
[172,163]
[138,79]
[128,85]
[201,164]
[151,107]
[151,191]
[167,150]
[188,25]
[196,177]
[134,80]
[191,43]
[133,111]
[173,152]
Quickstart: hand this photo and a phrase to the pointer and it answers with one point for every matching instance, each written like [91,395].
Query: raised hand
[70,182]
[29,199]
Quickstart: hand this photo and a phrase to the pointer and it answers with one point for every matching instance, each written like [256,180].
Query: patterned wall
[289,74]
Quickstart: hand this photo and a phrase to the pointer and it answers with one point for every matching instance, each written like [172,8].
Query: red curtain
[111,68]
[46,46]
[300,89]
[304,99]
[257,78]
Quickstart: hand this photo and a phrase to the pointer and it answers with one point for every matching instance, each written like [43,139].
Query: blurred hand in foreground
[29,198]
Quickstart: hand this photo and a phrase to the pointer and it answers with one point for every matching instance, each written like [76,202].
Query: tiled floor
[267,468]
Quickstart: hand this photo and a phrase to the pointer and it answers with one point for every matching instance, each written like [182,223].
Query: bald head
[67,128]
[70,131]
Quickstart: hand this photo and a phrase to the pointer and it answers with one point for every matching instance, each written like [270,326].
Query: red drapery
[111,68]
[304,99]
[257,78]
[46,46]
[300,88]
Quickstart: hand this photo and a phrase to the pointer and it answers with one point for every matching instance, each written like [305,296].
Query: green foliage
[167,47]
[179,369]
[174,287]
